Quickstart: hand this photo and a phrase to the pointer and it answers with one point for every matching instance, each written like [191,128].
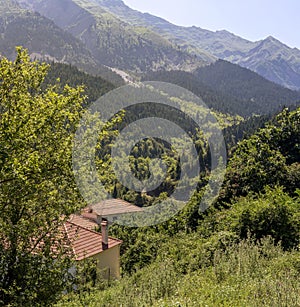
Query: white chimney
[104,232]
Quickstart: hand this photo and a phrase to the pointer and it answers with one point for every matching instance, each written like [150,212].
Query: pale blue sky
[253,20]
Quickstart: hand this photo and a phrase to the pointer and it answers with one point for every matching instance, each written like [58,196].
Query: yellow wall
[109,262]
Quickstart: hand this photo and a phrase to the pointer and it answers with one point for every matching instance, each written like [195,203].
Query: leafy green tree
[36,184]
[272,213]
[254,165]
[269,157]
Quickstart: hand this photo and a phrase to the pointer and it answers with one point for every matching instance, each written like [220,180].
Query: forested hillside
[234,131]
[228,88]
[94,86]
[243,251]
[259,95]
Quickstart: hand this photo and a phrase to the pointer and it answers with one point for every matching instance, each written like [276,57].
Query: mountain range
[108,39]
[269,57]
[112,41]
[230,88]
[45,40]
[119,37]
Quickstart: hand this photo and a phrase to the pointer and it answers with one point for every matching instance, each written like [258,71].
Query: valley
[97,98]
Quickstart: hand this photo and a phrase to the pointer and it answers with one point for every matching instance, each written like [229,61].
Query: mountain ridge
[44,40]
[134,48]
[112,41]
[220,44]
[231,89]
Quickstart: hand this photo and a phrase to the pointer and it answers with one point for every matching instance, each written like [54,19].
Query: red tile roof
[85,242]
[77,236]
[83,221]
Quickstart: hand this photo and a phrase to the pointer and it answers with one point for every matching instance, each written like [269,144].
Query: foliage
[243,130]
[36,184]
[253,166]
[208,249]
[164,264]
[269,157]
[272,213]
[246,274]
[256,163]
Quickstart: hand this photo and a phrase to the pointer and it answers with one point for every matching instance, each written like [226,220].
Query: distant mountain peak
[274,45]
[272,39]
[223,31]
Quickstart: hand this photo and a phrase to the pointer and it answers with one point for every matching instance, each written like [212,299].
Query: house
[88,243]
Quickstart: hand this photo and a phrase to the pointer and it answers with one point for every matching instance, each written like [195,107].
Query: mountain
[123,38]
[45,40]
[269,57]
[40,35]
[213,99]
[113,42]
[90,32]
[275,61]
[229,88]
[257,94]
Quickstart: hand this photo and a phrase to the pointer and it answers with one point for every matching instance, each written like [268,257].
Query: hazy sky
[253,20]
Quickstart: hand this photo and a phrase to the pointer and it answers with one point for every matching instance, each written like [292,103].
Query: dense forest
[242,251]
[62,74]
[229,88]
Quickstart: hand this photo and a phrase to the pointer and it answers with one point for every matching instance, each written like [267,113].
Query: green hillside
[228,88]
[243,251]
[244,246]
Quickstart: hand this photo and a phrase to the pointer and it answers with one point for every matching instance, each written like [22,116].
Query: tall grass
[244,274]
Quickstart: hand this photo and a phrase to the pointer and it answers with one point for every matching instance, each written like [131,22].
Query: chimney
[104,232]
